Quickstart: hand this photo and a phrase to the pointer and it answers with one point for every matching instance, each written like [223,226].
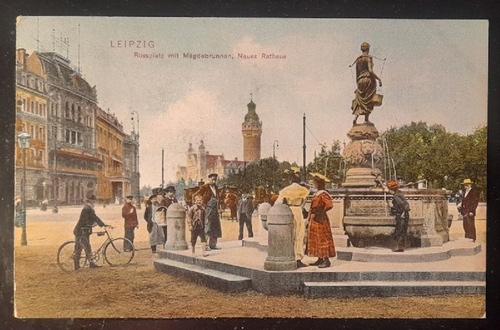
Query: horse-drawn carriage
[263,195]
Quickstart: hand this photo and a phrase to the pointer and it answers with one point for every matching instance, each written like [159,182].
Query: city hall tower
[251,130]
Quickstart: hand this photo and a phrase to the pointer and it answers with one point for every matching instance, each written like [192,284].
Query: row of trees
[416,151]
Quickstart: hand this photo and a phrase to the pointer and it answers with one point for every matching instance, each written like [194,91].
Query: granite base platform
[457,267]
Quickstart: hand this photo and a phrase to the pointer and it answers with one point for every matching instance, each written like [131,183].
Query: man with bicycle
[83,229]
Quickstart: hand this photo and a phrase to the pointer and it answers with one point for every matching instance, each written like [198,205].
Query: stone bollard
[176,228]
[263,211]
[280,253]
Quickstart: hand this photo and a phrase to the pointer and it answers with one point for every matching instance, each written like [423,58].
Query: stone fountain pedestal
[366,219]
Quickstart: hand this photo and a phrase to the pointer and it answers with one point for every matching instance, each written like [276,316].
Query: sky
[434,71]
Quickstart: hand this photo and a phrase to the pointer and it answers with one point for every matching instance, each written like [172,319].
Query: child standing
[196,224]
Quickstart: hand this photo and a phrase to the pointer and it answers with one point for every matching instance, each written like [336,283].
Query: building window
[32,107]
[79,119]
[23,105]
[41,134]
[32,132]
[68,136]
[66,114]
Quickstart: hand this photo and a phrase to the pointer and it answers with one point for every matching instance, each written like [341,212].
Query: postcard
[335,150]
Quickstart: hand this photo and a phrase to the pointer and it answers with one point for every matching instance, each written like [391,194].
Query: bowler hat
[129,196]
[213,175]
[170,188]
[467,181]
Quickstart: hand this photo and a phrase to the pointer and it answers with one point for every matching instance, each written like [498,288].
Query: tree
[328,162]
[444,159]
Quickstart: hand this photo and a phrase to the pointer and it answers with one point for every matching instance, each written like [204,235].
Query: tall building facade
[131,158]
[251,129]
[67,158]
[31,118]
[112,181]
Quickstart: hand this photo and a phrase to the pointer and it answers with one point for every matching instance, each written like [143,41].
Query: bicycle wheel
[119,252]
[67,256]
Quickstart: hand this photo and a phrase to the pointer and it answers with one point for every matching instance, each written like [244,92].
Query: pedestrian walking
[155,232]
[129,214]
[167,200]
[468,208]
[210,195]
[294,195]
[244,214]
[401,210]
[83,229]
[196,224]
[319,237]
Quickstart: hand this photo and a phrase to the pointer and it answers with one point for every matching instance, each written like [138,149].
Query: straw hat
[392,184]
[320,176]
[293,170]
[467,181]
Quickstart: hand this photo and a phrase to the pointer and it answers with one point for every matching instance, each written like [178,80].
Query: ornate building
[200,163]
[72,103]
[75,147]
[251,129]
[31,118]
[112,182]
[131,158]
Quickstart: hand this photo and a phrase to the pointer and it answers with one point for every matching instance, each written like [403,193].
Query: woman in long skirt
[156,236]
[319,238]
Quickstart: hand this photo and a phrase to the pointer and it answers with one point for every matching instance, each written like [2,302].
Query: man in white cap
[468,209]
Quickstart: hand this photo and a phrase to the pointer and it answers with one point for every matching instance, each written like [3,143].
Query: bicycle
[112,249]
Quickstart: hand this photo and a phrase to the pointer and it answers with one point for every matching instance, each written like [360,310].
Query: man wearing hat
[129,213]
[244,214]
[468,209]
[401,210]
[294,195]
[83,229]
[167,200]
[210,194]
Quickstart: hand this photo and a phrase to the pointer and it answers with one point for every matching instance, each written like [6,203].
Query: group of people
[401,210]
[317,227]
[203,217]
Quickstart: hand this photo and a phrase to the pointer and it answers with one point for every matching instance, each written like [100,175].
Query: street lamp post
[44,184]
[275,145]
[24,143]
[136,159]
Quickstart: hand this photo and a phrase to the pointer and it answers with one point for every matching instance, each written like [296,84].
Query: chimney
[21,57]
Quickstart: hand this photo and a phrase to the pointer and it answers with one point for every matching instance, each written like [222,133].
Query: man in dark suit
[167,200]
[83,229]
[210,195]
[244,214]
[468,209]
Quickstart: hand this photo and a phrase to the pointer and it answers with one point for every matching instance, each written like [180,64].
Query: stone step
[208,277]
[391,289]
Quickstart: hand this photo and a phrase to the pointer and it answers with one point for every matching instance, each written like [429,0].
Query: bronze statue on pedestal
[366,97]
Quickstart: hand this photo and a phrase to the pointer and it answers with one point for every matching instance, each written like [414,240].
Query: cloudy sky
[435,71]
